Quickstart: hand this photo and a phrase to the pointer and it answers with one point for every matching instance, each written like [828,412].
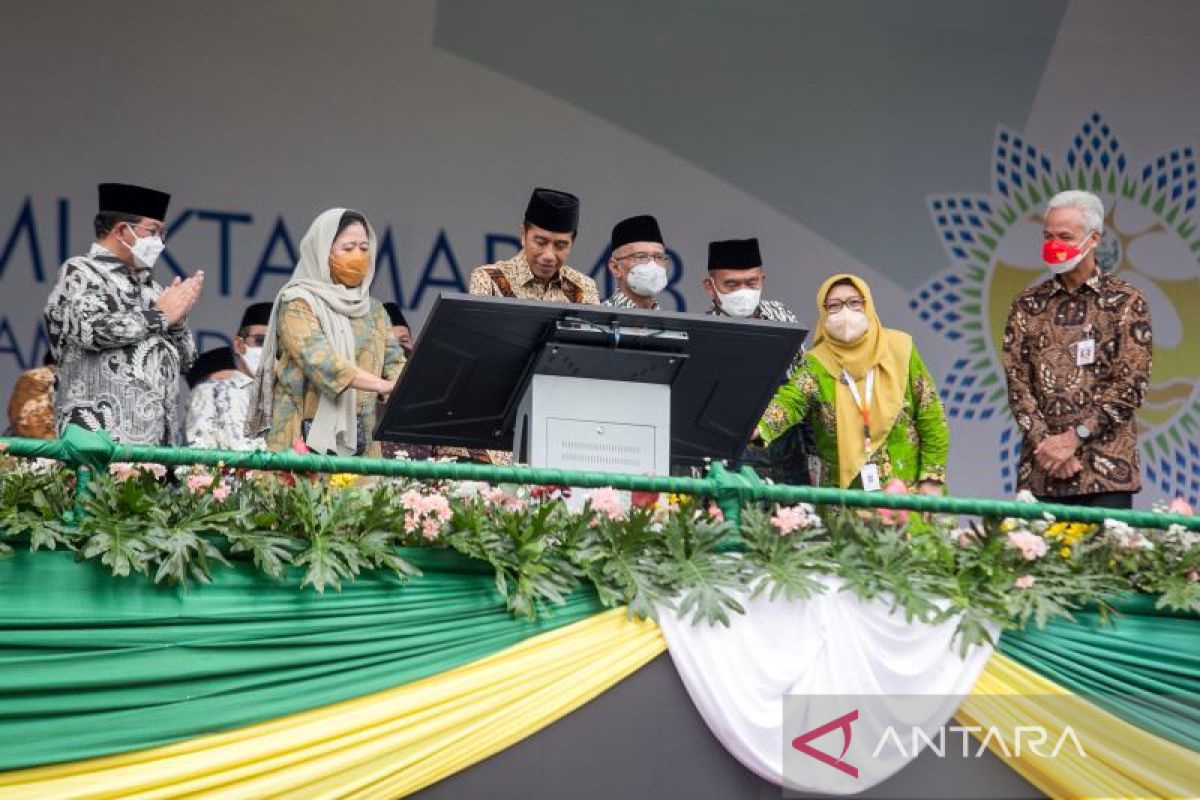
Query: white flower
[467,489]
[1026,496]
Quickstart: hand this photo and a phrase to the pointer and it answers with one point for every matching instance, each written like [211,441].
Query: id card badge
[1085,352]
[870,478]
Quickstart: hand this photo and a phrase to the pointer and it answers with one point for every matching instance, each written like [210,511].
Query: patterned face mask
[1061,256]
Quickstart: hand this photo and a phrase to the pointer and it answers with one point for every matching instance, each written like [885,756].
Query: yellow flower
[1070,532]
[1064,551]
[342,480]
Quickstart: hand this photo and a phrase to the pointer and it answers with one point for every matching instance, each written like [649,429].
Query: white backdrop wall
[832,131]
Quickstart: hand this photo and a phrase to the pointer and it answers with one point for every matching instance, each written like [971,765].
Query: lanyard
[864,408]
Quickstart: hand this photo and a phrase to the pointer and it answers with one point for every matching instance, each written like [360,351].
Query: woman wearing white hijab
[329,352]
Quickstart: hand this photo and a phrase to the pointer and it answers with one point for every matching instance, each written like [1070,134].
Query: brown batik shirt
[514,278]
[1049,393]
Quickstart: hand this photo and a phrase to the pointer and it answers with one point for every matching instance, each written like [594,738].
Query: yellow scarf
[888,351]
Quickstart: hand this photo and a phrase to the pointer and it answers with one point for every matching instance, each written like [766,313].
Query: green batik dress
[916,447]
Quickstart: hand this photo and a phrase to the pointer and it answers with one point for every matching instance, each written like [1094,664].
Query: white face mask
[741,303]
[252,358]
[647,279]
[846,325]
[146,249]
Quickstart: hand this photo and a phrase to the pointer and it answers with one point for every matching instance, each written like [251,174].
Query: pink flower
[1024,582]
[157,470]
[411,500]
[1194,576]
[221,492]
[121,471]
[607,501]
[1030,544]
[715,513]
[411,522]
[1180,506]
[790,518]
[198,483]
[439,507]
[964,536]
[430,529]
[494,496]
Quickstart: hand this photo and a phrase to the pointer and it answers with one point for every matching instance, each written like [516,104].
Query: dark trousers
[1097,500]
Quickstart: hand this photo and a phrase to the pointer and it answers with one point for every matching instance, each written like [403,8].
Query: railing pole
[83,479]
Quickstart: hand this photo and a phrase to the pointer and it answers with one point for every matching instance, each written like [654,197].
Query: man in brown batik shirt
[1077,353]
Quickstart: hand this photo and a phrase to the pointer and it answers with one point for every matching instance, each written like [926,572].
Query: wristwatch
[1083,432]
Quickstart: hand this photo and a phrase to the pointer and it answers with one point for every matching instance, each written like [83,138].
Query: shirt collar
[632,304]
[1095,283]
[105,258]
[241,380]
[525,275]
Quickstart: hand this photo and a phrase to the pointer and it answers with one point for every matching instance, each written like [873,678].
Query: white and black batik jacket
[119,364]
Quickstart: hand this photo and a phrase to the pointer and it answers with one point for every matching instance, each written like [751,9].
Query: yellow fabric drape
[1122,760]
[384,745]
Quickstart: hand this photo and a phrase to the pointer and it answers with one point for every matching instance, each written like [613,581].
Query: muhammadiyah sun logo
[1150,239]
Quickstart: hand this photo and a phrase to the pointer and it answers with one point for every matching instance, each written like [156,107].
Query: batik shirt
[513,278]
[915,449]
[773,311]
[1049,393]
[118,361]
[306,367]
[217,412]
[621,300]
[767,309]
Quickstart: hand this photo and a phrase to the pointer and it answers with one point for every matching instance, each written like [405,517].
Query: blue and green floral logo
[994,243]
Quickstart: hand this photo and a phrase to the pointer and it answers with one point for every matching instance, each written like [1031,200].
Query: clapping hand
[178,299]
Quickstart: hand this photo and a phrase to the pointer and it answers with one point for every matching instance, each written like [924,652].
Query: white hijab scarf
[335,425]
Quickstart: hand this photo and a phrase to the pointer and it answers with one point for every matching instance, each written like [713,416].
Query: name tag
[870,478]
[1085,352]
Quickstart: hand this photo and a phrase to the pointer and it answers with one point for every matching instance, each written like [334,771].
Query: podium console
[588,387]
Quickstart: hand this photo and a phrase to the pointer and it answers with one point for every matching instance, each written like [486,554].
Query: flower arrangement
[642,550]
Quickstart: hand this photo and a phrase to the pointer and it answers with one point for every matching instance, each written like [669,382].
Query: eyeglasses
[854,304]
[151,230]
[638,258]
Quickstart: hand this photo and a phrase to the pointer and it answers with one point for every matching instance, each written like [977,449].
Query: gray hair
[1088,204]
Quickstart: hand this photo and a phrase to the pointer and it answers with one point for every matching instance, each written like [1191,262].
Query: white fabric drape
[820,651]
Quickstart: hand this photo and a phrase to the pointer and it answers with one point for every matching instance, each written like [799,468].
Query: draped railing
[87,451]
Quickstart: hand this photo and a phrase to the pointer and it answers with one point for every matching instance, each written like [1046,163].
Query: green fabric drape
[92,665]
[1143,666]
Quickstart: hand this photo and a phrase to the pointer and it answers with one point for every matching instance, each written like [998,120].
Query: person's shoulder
[576,277]
[1035,297]
[1111,284]
[503,265]
[295,305]
[82,265]
[775,310]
